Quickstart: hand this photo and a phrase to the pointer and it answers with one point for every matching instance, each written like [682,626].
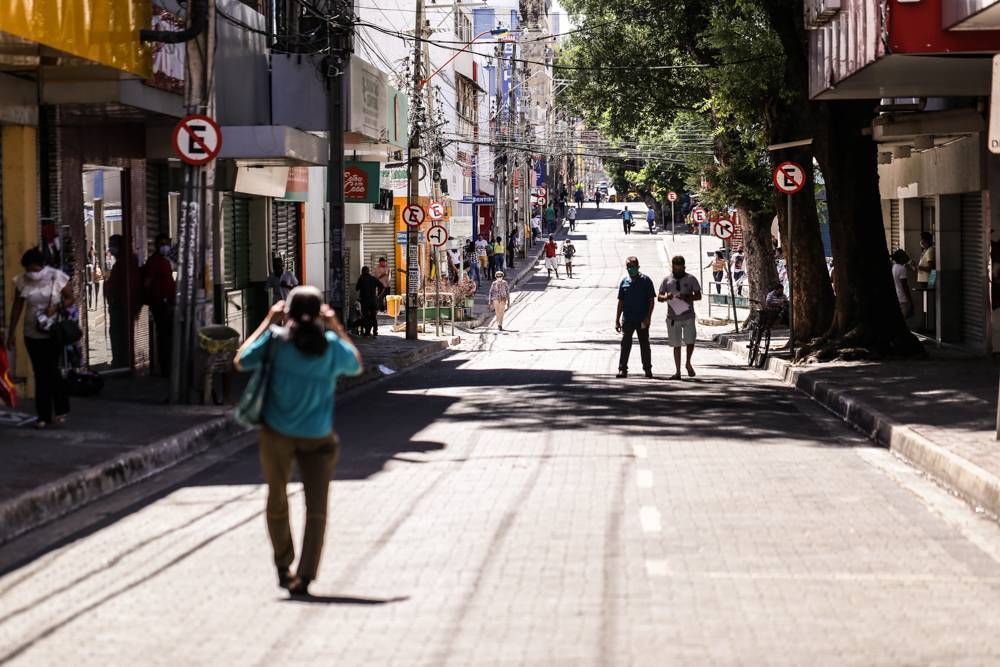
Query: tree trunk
[759,252]
[810,280]
[867,314]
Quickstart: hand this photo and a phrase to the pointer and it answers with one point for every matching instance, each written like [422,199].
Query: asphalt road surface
[514,503]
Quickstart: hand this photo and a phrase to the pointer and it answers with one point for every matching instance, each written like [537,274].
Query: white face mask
[35,275]
[164,250]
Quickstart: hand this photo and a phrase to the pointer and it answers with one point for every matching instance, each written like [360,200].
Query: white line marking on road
[640,451]
[657,568]
[644,478]
[649,519]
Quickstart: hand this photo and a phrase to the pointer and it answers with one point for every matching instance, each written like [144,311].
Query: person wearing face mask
[680,290]
[381,274]
[636,299]
[42,293]
[122,292]
[159,290]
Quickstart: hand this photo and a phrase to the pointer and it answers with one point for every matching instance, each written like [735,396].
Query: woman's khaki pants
[316,458]
[500,307]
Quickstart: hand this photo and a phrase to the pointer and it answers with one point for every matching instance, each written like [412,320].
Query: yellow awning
[102,31]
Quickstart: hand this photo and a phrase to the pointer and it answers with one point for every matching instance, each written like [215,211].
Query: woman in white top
[42,293]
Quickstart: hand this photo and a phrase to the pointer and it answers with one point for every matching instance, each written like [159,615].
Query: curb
[977,486]
[55,499]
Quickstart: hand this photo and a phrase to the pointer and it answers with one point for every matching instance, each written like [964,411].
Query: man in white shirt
[680,290]
[571,216]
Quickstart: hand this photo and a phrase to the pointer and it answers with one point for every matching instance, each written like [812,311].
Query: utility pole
[511,127]
[413,165]
[341,46]
[191,295]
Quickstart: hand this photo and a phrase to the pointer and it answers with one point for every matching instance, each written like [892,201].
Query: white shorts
[681,332]
[552,263]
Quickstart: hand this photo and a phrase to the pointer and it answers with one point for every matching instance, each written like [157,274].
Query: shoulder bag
[64,331]
[250,410]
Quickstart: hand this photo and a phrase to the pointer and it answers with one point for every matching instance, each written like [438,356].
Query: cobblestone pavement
[514,503]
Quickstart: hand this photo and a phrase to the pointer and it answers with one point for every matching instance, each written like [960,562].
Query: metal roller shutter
[379,241]
[894,237]
[236,241]
[285,234]
[974,270]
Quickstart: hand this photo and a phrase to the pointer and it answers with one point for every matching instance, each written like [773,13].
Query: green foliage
[707,116]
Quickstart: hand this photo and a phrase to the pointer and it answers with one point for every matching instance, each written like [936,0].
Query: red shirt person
[551,261]
[159,290]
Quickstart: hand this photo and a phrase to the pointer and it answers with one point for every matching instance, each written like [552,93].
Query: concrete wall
[947,169]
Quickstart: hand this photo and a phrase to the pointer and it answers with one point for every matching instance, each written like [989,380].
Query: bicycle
[760,323]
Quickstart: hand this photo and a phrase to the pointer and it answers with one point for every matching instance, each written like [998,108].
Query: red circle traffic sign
[672,197]
[789,177]
[437,210]
[699,215]
[414,215]
[437,235]
[724,229]
[197,139]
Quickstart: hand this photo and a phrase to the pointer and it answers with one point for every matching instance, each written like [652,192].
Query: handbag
[250,410]
[63,331]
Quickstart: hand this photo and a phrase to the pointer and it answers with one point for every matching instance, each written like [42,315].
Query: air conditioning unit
[819,12]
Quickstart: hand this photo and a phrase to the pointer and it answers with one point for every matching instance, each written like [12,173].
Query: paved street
[514,503]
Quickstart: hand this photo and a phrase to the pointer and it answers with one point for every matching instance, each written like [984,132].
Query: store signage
[361,182]
[481,199]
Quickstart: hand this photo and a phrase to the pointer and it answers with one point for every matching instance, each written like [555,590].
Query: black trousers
[628,226]
[629,328]
[50,392]
[369,318]
[163,321]
[717,277]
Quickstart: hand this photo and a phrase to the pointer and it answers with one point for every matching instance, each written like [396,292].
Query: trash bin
[393,304]
[216,345]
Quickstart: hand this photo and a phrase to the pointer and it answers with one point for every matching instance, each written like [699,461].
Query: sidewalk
[129,433]
[938,413]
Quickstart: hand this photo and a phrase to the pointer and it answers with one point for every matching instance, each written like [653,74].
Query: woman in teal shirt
[306,357]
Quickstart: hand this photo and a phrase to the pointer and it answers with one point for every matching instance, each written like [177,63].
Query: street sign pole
[701,257]
[673,223]
[791,290]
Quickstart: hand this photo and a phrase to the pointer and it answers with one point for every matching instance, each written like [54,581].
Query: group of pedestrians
[637,299]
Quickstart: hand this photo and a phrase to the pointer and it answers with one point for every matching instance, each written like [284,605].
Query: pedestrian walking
[597,198]
[499,255]
[718,265]
[571,216]
[499,297]
[301,362]
[636,299]
[551,262]
[651,219]
[482,255]
[159,289]
[491,257]
[550,219]
[569,251]
[739,273]
[472,261]
[368,289]
[578,196]
[680,290]
[627,220]
[536,227]
[43,294]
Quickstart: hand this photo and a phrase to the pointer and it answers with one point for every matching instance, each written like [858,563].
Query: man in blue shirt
[651,219]
[636,298]
[627,220]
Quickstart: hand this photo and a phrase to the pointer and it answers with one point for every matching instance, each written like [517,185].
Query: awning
[273,145]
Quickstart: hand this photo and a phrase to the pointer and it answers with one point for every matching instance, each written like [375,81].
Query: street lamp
[496,32]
